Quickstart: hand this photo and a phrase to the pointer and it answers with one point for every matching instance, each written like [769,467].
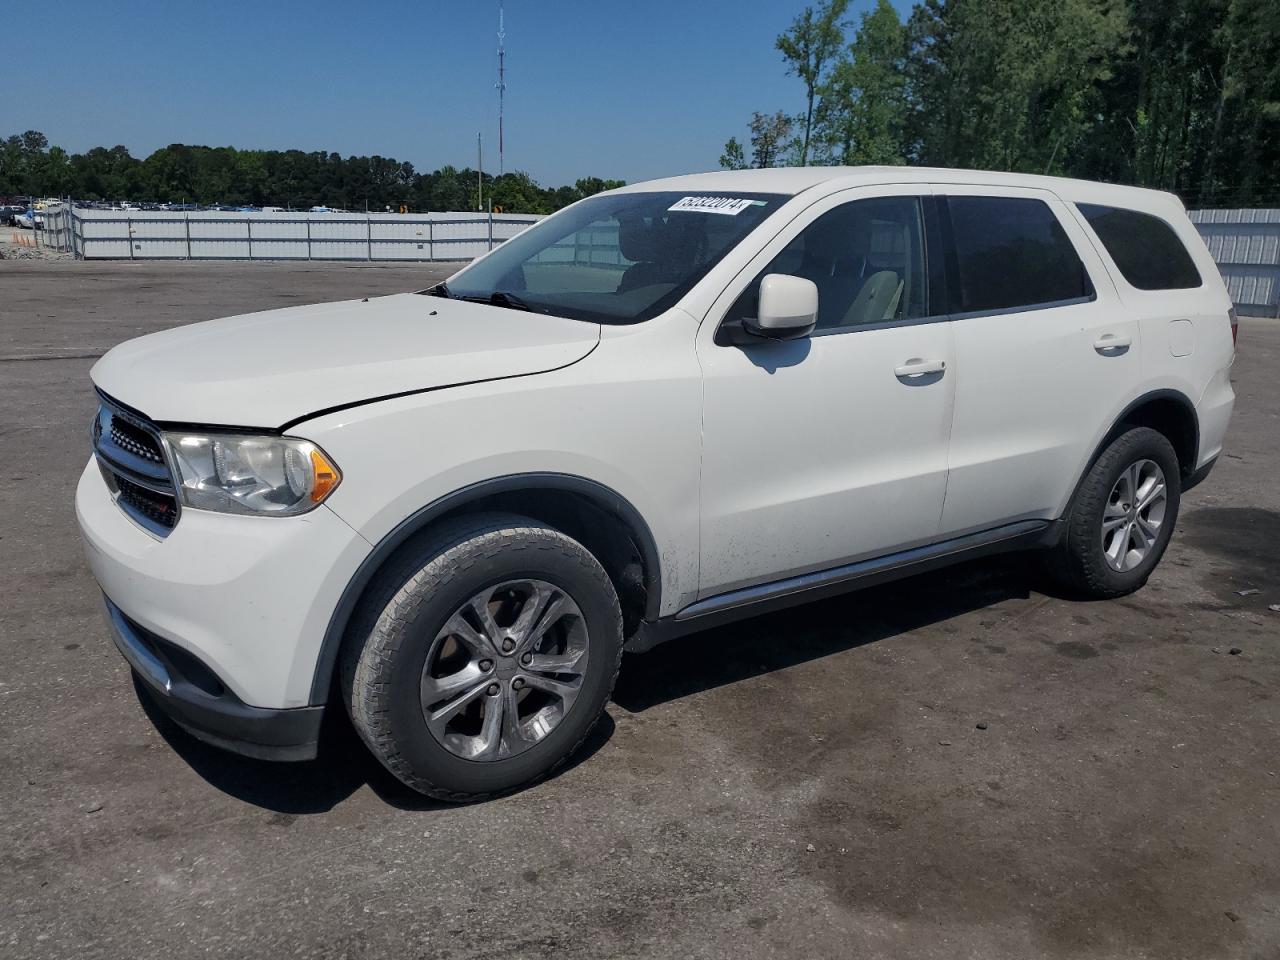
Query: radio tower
[502,84]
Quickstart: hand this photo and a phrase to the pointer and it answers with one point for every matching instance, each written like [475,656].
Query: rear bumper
[1214,414]
[193,696]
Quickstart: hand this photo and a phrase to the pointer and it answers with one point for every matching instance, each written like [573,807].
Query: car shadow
[342,766]
[748,648]
[773,355]
[683,667]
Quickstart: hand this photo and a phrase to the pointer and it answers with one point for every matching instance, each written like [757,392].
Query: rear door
[1044,354]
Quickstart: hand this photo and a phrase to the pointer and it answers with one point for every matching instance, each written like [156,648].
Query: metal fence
[1245,243]
[58,228]
[1246,246]
[165,235]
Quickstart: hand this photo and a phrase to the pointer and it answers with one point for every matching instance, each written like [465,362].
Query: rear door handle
[1110,341]
[915,368]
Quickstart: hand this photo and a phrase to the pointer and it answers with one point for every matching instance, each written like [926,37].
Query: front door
[832,448]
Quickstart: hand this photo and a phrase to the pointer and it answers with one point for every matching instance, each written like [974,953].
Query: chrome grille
[132,458]
[159,508]
[135,440]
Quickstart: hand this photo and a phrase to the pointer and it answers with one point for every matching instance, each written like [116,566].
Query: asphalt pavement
[953,766]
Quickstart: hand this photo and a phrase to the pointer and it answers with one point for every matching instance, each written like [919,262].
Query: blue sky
[609,88]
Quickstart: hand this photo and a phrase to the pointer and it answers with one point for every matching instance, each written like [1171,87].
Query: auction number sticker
[731,206]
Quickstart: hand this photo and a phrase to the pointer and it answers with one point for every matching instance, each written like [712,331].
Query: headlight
[235,473]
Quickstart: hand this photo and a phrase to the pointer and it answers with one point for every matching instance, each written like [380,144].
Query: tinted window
[1145,248]
[867,259]
[1012,253]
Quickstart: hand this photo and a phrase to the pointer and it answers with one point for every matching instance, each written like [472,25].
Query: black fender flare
[599,494]
[1162,394]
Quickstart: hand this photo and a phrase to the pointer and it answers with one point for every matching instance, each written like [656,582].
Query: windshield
[614,258]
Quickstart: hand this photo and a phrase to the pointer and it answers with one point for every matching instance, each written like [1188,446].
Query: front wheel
[484,657]
[1121,518]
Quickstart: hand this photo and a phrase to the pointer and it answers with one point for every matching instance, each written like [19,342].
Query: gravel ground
[952,766]
[18,244]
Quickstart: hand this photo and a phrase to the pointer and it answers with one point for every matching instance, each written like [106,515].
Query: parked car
[9,213]
[665,407]
[26,219]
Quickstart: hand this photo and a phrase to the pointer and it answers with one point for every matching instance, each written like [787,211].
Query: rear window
[1145,248]
[1012,253]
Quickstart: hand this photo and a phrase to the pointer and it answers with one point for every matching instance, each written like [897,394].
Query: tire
[1080,562]
[419,615]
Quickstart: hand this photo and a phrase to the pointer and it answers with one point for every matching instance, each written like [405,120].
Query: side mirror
[788,308]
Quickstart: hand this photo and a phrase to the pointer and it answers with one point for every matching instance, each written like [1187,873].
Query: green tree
[518,193]
[34,142]
[201,174]
[808,46]
[1009,84]
[1246,113]
[770,135]
[1156,106]
[451,189]
[733,157]
[588,186]
[12,165]
[862,110]
[1182,95]
[59,175]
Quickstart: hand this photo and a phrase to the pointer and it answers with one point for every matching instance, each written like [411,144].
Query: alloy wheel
[1133,515]
[504,670]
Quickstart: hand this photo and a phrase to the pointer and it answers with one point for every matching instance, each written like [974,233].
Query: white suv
[664,407]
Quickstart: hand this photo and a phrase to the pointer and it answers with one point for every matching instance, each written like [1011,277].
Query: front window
[618,258]
[866,258]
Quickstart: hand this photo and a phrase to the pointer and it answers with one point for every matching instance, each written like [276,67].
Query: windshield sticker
[727,205]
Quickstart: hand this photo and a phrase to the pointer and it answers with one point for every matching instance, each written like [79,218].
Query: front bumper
[195,698]
[249,598]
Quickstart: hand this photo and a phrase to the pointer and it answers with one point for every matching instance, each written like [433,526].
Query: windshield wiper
[441,289]
[500,298]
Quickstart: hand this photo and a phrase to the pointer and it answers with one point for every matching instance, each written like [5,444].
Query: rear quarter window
[1145,248]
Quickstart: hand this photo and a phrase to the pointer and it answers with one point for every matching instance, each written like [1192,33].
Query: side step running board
[761,598]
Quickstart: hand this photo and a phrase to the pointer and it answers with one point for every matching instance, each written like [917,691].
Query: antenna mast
[502,82]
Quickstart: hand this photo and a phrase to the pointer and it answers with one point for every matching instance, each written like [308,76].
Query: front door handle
[1108,343]
[915,368]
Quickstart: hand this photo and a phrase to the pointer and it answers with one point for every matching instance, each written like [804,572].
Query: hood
[274,368]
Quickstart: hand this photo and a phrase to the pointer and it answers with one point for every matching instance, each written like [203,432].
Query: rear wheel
[1121,518]
[484,658]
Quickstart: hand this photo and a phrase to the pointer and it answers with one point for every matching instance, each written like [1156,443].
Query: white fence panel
[224,235]
[57,228]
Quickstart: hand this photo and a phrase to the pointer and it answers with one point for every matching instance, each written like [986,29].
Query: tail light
[1235,325]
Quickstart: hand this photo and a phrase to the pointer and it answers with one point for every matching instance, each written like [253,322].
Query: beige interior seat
[877,300]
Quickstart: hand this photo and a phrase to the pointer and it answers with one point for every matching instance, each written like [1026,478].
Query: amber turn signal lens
[326,476]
